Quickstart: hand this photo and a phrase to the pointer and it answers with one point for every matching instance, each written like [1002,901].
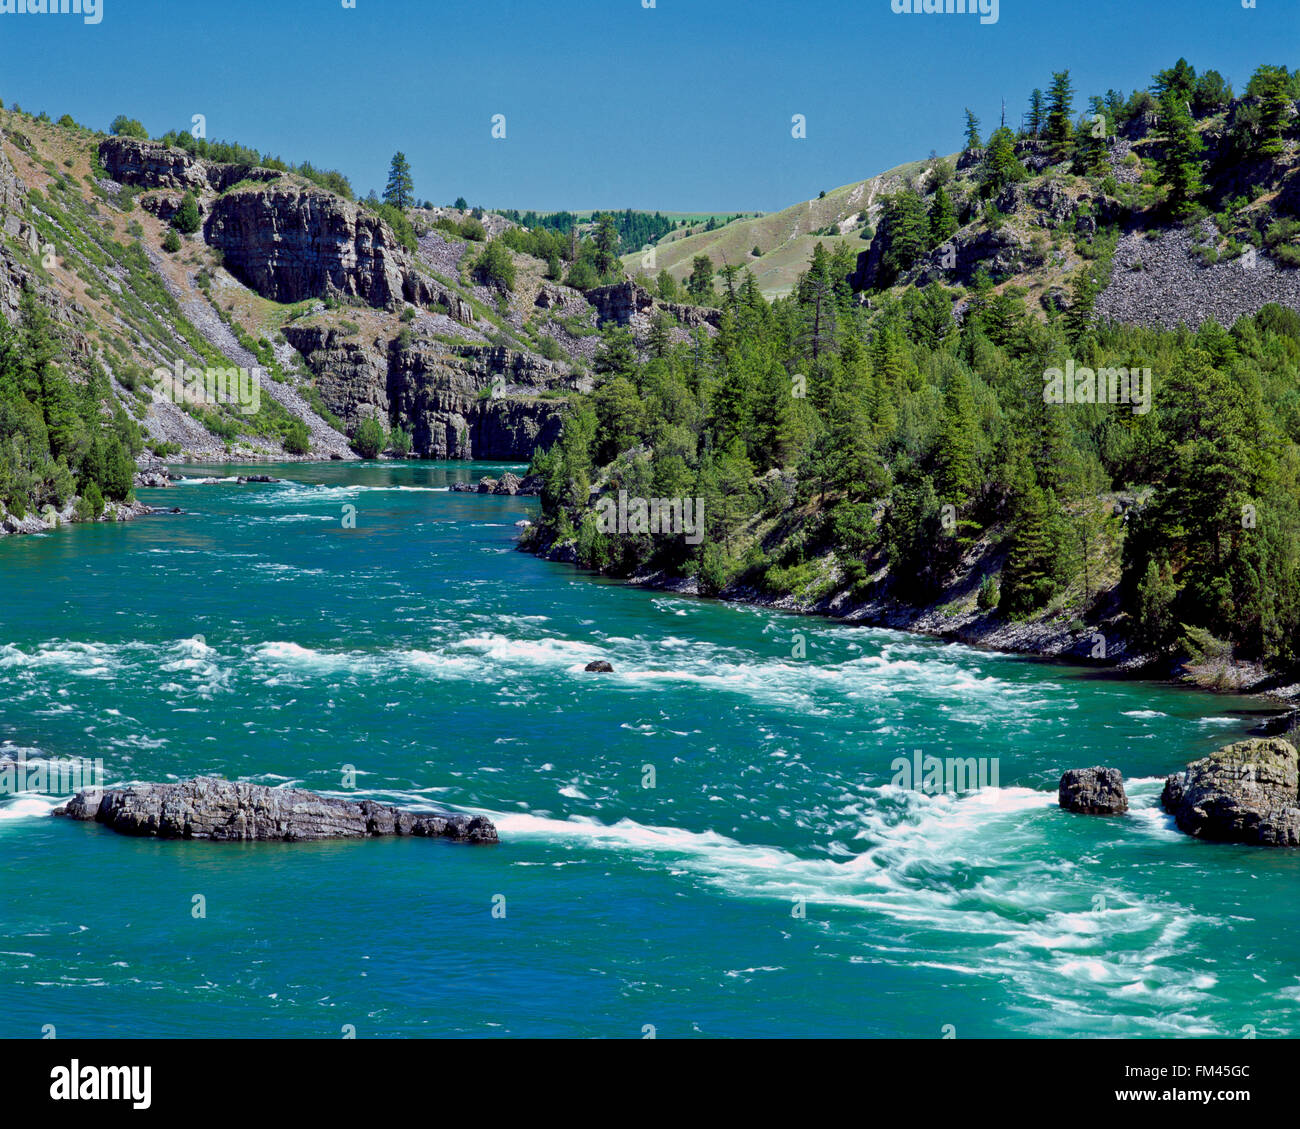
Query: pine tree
[973,138]
[1001,166]
[943,217]
[1179,82]
[1060,110]
[1035,560]
[905,226]
[955,470]
[1037,114]
[400,192]
[1271,86]
[1180,162]
[699,286]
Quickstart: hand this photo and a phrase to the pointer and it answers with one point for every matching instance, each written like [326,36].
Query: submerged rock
[222,810]
[600,666]
[1093,791]
[1244,793]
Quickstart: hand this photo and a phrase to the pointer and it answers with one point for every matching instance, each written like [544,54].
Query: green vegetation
[297,439]
[494,266]
[187,220]
[400,191]
[123,126]
[55,439]
[830,443]
[369,439]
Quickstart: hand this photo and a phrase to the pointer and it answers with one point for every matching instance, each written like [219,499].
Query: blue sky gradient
[685,106]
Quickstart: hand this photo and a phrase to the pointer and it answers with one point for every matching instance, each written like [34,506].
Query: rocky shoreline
[51,519]
[1054,641]
[210,808]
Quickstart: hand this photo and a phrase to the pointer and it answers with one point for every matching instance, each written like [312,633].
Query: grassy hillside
[785,238]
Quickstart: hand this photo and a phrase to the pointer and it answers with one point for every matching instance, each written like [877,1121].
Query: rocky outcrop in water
[1244,793]
[508,485]
[1284,725]
[1093,791]
[223,811]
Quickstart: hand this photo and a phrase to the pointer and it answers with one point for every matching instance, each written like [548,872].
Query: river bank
[1056,638]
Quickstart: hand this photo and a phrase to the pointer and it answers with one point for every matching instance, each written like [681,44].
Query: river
[709,842]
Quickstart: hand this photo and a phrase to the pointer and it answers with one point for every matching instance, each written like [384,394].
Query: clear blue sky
[685,106]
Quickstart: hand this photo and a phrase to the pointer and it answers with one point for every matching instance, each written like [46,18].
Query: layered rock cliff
[291,243]
[457,402]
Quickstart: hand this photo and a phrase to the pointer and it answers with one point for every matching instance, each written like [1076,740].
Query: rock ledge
[224,811]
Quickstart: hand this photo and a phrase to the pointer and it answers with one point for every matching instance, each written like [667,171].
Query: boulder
[1093,791]
[223,811]
[1244,793]
[600,666]
[1284,725]
[509,484]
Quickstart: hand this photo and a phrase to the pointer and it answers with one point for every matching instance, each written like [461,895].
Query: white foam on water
[294,657]
[28,805]
[974,872]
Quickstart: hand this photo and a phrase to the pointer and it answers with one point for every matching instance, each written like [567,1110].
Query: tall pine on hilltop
[400,190]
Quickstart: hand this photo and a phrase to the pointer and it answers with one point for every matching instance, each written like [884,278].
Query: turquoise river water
[773,881]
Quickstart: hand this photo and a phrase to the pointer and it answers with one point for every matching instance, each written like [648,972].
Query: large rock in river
[209,808]
[1093,791]
[1244,793]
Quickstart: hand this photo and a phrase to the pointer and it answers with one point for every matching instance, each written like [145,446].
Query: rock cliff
[457,401]
[290,243]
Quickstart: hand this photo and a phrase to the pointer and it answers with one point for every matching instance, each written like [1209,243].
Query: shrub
[171,242]
[402,227]
[582,276]
[549,348]
[470,228]
[495,267]
[128,127]
[297,439]
[988,594]
[91,504]
[188,220]
[368,440]
[400,442]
